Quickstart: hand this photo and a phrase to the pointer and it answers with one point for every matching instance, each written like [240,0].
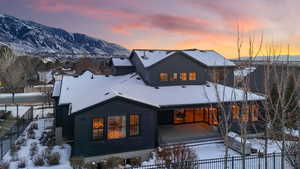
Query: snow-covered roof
[244,71]
[45,76]
[56,88]
[207,57]
[99,88]
[121,62]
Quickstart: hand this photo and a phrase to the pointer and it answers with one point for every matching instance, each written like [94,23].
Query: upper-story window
[163,77]
[134,121]
[192,76]
[116,127]
[183,76]
[98,128]
[235,109]
[173,76]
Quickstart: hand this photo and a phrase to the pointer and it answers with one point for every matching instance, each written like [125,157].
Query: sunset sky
[169,24]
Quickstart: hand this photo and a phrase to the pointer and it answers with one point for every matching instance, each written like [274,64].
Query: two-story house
[168,96]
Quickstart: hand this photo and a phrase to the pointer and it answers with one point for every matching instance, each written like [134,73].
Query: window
[254,112]
[163,76]
[134,125]
[174,77]
[98,128]
[192,76]
[245,114]
[213,116]
[116,127]
[183,76]
[235,112]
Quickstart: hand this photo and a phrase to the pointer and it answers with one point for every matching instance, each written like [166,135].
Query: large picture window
[183,76]
[134,125]
[116,127]
[173,77]
[98,128]
[192,76]
[254,112]
[163,77]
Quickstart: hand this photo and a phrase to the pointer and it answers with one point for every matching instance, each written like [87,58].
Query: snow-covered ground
[24,152]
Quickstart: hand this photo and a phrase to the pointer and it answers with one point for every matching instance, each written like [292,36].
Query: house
[173,96]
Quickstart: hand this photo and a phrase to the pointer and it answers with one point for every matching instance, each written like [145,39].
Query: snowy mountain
[27,37]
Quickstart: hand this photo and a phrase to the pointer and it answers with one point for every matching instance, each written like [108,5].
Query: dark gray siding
[85,146]
[122,70]
[62,119]
[139,67]
[177,63]
[228,75]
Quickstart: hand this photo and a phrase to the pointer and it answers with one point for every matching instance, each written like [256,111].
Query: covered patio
[184,133]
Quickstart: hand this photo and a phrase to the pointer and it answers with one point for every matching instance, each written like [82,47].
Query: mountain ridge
[29,37]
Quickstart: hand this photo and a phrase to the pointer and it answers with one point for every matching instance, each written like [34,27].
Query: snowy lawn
[24,152]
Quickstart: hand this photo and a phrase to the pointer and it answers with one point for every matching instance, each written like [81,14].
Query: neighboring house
[172,97]
[121,66]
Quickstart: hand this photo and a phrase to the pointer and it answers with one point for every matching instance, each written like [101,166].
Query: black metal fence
[269,161]
[14,131]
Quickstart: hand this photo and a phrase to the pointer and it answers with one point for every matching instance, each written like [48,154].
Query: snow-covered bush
[77,162]
[34,126]
[113,162]
[31,134]
[33,149]
[38,160]
[48,138]
[90,166]
[176,157]
[135,162]
[53,158]
[22,164]
[14,152]
[4,165]
[21,142]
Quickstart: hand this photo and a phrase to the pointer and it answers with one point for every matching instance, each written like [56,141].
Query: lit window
[116,127]
[245,114]
[183,76]
[174,77]
[235,112]
[134,125]
[98,129]
[213,116]
[163,77]
[254,112]
[192,76]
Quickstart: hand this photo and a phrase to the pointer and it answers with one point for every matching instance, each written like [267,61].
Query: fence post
[1,144]
[274,160]
[232,162]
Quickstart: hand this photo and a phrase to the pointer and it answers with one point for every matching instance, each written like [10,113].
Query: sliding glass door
[194,115]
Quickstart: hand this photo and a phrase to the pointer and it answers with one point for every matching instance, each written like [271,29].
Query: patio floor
[183,133]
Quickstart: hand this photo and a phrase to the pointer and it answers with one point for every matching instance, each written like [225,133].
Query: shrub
[33,126]
[53,158]
[14,152]
[22,164]
[21,142]
[39,161]
[90,166]
[4,165]
[31,134]
[33,149]
[114,162]
[48,138]
[135,162]
[178,157]
[77,162]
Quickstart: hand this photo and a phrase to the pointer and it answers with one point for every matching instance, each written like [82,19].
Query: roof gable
[208,58]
